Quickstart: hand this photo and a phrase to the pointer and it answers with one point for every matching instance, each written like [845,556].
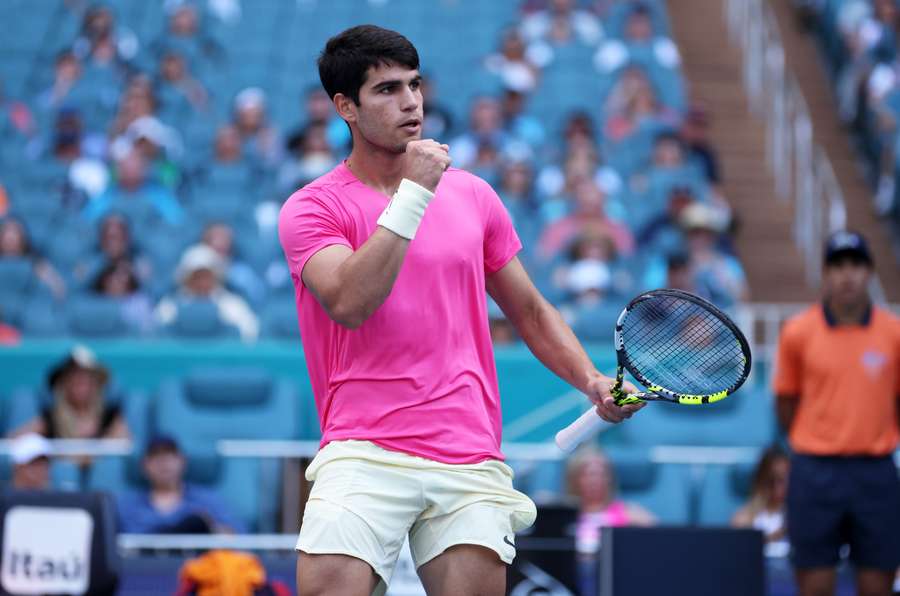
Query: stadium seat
[96,317]
[279,320]
[199,319]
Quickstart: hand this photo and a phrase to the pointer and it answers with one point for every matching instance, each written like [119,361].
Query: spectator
[184,35]
[138,101]
[843,486]
[485,130]
[438,122]
[118,282]
[520,125]
[30,457]
[590,481]
[310,156]
[695,134]
[718,274]
[114,243]
[78,409]
[639,44]
[589,211]
[633,106]
[318,109]
[561,23]
[512,65]
[238,275]
[199,275]
[62,92]
[134,195]
[764,510]
[516,190]
[171,505]
[261,141]
[182,96]
[14,244]
[101,38]
[590,270]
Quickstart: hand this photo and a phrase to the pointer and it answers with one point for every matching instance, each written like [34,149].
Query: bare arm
[551,340]
[350,285]
[786,410]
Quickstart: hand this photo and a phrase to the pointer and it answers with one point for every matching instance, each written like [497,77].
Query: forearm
[366,277]
[786,410]
[552,341]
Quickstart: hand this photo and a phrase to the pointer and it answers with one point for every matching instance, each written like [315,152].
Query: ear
[346,107]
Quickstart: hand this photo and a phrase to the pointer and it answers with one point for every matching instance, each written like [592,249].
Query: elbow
[348,316]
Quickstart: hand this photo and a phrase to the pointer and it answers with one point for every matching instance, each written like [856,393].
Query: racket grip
[576,433]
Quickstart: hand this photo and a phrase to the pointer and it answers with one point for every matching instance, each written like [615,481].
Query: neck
[847,313]
[595,505]
[168,490]
[375,167]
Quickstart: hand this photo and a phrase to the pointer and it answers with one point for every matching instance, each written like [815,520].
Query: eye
[415,85]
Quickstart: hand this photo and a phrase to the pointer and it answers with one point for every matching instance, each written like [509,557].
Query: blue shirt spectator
[171,505]
[134,196]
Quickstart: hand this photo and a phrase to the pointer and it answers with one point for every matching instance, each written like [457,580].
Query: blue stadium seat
[18,280]
[199,319]
[279,320]
[96,317]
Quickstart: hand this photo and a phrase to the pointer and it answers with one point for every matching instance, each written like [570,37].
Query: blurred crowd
[138,201]
[859,42]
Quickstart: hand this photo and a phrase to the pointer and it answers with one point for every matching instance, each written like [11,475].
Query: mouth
[412,125]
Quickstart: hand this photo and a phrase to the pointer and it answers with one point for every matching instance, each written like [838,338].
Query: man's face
[389,114]
[846,280]
[35,475]
[164,468]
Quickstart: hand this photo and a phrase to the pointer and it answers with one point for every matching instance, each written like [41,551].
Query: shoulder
[803,322]
[886,320]
[326,186]
[464,181]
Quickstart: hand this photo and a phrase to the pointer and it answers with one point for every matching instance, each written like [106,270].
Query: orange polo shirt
[847,378]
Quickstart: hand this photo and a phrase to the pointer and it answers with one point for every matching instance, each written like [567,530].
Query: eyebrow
[393,82]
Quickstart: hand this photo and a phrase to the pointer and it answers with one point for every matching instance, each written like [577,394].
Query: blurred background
[147,314]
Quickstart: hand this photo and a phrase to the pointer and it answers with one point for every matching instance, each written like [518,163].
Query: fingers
[609,411]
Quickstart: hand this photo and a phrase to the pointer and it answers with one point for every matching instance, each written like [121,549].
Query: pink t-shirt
[418,376]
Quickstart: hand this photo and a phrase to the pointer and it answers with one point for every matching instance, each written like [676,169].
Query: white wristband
[406,209]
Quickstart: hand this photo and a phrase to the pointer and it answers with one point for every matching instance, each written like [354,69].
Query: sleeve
[306,225]
[501,243]
[788,373]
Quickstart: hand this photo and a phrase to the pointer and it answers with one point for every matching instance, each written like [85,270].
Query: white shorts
[366,500]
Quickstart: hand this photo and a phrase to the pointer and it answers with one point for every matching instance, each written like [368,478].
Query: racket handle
[576,433]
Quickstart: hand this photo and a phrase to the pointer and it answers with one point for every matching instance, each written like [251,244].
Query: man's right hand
[426,161]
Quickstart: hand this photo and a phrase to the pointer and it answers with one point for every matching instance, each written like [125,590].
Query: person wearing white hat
[199,275]
[260,139]
[30,457]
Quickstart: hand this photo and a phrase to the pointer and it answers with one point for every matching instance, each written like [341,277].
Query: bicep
[319,274]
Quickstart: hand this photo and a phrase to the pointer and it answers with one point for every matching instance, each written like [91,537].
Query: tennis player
[837,382]
[391,254]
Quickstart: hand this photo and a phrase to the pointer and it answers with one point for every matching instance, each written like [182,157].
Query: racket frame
[657,392]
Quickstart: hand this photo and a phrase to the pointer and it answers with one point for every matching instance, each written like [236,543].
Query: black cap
[161,443]
[847,244]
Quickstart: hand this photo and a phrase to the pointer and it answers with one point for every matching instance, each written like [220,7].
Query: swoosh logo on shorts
[508,541]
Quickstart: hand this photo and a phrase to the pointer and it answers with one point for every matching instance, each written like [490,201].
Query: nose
[410,100]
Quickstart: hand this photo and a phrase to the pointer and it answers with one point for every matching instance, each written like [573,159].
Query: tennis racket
[680,347]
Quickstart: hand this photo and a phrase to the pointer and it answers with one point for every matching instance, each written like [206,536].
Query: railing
[802,171]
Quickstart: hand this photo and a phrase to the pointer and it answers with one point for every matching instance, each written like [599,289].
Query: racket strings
[682,346]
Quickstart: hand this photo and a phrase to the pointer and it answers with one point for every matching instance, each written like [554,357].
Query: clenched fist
[426,161]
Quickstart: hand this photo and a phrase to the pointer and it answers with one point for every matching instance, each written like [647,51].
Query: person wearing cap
[260,139]
[199,275]
[170,505]
[837,384]
[718,275]
[135,195]
[30,457]
[78,409]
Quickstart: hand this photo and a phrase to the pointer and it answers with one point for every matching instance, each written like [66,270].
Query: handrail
[801,169]
[79,447]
